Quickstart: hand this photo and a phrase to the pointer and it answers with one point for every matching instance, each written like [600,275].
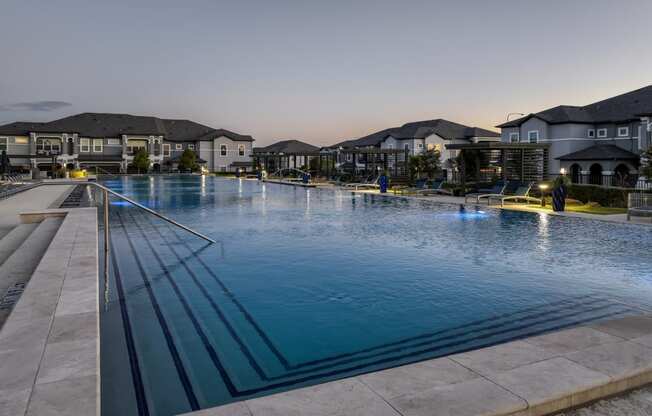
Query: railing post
[106,247]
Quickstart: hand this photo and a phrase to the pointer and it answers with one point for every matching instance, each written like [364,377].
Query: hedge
[607,197]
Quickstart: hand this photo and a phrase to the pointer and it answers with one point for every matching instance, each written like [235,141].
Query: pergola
[273,161]
[485,161]
[392,161]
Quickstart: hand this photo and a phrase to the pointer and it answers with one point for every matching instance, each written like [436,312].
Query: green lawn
[590,209]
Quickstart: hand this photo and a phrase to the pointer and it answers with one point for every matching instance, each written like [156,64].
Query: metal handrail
[108,191]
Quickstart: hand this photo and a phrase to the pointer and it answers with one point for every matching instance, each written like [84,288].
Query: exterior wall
[223,163]
[205,152]
[15,147]
[116,152]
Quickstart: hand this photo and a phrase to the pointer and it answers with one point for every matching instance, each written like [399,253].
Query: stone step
[13,239]
[17,269]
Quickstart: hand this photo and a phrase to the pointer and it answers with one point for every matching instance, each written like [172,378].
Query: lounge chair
[522,193]
[435,188]
[363,185]
[497,191]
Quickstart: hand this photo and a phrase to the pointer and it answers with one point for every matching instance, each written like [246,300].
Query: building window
[623,131]
[113,142]
[166,149]
[533,136]
[590,133]
[3,143]
[178,146]
[21,140]
[452,153]
[84,145]
[241,150]
[419,145]
[191,146]
[98,145]
[48,145]
[513,137]
[222,150]
[134,146]
[602,133]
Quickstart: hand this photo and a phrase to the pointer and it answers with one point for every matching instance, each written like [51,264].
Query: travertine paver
[619,360]
[416,377]
[475,397]
[552,385]
[49,345]
[501,357]
[348,397]
[628,327]
[570,340]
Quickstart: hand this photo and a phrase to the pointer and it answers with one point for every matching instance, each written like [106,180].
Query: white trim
[226,150]
[529,138]
[514,134]
[241,150]
[602,133]
[113,142]
[191,146]
[178,146]
[167,150]
[101,145]
[625,134]
[84,143]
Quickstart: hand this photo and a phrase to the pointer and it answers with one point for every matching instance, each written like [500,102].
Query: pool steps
[20,252]
[535,376]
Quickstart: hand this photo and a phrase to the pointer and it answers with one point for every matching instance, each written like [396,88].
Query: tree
[428,164]
[141,160]
[188,160]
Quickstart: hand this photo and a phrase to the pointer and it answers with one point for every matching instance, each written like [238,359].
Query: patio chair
[435,188]
[522,193]
[419,185]
[497,191]
[363,185]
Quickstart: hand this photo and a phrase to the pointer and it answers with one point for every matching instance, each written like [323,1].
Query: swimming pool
[310,285]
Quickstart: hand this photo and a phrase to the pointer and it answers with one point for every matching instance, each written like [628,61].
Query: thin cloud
[35,106]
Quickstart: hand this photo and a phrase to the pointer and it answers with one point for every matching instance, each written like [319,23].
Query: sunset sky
[319,71]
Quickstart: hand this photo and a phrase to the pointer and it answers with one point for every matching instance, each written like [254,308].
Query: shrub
[607,197]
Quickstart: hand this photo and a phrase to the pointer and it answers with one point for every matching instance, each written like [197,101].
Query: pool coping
[49,345]
[533,376]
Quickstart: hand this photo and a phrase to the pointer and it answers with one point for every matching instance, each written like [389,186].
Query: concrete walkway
[535,376]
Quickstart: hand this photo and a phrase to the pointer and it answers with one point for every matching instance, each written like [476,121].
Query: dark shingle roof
[420,129]
[115,125]
[19,128]
[622,108]
[601,152]
[288,146]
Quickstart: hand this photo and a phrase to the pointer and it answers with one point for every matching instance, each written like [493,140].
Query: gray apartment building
[420,136]
[599,143]
[109,142]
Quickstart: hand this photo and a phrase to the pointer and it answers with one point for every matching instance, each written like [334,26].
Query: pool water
[310,285]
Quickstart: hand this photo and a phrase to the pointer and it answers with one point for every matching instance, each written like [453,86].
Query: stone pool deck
[49,345]
[535,376]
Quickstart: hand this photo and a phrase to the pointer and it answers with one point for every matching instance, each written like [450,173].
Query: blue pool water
[309,285]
